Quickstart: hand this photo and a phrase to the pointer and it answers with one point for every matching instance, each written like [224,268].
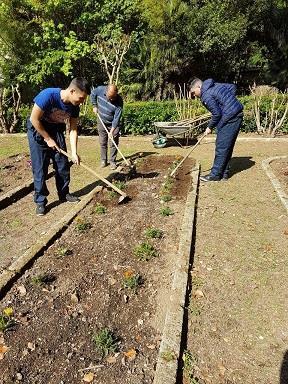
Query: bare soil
[84,292]
[280,168]
[14,171]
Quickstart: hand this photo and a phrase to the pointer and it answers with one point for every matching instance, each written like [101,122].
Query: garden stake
[128,163]
[123,196]
[191,150]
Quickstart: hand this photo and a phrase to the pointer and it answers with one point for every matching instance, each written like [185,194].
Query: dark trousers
[225,141]
[40,158]
[103,140]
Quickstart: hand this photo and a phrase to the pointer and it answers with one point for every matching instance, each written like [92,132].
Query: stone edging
[167,368]
[18,192]
[11,272]
[276,183]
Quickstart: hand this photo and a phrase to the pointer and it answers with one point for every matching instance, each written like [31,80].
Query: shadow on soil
[284,369]
[239,164]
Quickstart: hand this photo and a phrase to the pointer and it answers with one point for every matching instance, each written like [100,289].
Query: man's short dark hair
[82,84]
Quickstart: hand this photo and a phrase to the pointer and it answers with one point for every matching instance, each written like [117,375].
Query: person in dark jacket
[108,104]
[227,115]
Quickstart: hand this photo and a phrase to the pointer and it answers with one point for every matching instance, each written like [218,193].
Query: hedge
[138,117]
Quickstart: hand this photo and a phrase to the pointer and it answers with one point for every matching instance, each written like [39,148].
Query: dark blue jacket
[220,99]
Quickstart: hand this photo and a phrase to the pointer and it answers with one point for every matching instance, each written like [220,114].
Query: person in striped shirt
[108,104]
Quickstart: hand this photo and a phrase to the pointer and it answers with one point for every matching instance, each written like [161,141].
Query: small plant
[145,251]
[100,209]
[189,368]
[105,342]
[42,279]
[166,211]
[154,233]
[82,225]
[6,321]
[166,198]
[131,280]
[168,185]
[167,356]
[63,251]
[119,184]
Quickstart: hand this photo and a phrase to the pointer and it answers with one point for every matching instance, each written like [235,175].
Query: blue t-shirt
[55,111]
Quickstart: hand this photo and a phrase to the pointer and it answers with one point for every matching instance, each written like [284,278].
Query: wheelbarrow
[188,128]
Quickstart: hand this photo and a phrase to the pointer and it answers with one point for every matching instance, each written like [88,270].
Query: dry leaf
[88,378]
[222,369]
[111,359]
[151,346]
[112,281]
[3,350]
[8,311]
[198,293]
[138,338]
[286,232]
[31,346]
[128,273]
[74,298]
[22,290]
[131,354]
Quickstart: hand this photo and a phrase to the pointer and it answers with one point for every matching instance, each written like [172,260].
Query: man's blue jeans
[225,141]
[40,158]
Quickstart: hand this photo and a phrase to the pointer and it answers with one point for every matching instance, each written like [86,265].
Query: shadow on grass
[284,369]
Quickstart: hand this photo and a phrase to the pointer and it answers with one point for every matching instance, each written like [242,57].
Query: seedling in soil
[46,278]
[6,322]
[166,198]
[166,211]
[82,225]
[63,251]
[168,185]
[154,233]
[167,356]
[100,209]
[105,342]
[189,368]
[120,185]
[145,252]
[131,280]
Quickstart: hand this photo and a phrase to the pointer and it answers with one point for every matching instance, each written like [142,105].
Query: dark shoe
[209,178]
[113,165]
[225,177]
[103,164]
[70,198]
[40,210]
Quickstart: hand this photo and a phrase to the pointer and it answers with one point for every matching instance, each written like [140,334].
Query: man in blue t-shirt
[53,109]
[108,104]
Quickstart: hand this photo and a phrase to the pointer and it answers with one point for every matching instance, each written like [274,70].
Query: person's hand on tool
[95,110]
[52,144]
[207,131]
[75,158]
[112,131]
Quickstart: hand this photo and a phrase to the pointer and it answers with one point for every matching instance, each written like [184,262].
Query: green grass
[100,209]
[42,279]
[166,211]
[105,342]
[145,251]
[118,184]
[63,251]
[6,323]
[167,356]
[154,233]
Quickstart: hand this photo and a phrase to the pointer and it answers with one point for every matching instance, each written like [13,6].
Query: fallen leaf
[31,346]
[128,273]
[222,369]
[88,378]
[198,293]
[286,232]
[74,298]
[111,359]
[151,346]
[126,298]
[22,290]
[8,311]
[3,350]
[138,338]
[131,354]
[112,281]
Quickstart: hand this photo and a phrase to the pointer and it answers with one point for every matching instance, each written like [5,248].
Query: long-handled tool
[185,157]
[123,194]
[113,141]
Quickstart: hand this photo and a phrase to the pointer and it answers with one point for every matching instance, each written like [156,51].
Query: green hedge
[138,117]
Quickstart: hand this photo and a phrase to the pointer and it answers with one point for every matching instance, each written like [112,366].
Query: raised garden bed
[280,169]
[92,307]
[14,171]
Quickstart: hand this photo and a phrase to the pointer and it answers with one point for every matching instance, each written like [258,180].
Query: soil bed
[84,292]
[14,171]
[280,169]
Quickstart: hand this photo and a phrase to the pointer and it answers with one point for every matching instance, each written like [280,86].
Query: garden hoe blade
[128,163]
[123,196]
[185,157]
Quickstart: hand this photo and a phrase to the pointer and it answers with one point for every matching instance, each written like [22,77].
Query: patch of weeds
[168,356]
[189,368]
[131,280]
[63,251]
[197,281]
[105,342]
[100,209]
[145,251]
[194,307]
[42,279]
[82,224]
[6,320]
[16,223]
[166,198]
[166,211]
[154,233]
[118,184]
[168,185]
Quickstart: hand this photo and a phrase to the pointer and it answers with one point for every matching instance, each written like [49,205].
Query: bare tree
[10,101]
[112,52]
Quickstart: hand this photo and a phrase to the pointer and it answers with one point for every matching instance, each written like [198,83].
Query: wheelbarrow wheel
[160,142]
